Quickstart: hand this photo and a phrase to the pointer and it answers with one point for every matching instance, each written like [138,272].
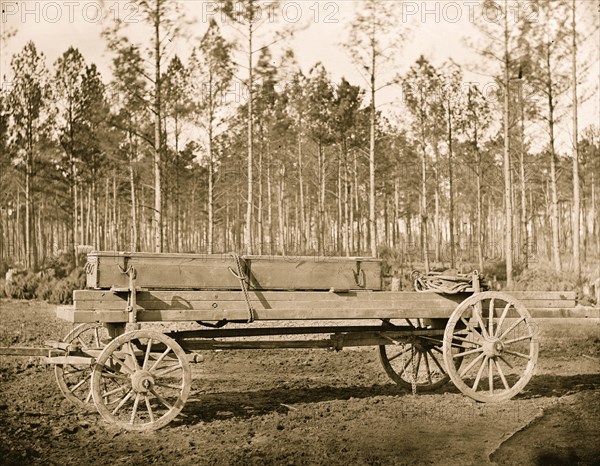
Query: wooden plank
[73,315]
[176,271]
[202,271]
[295,305]
[242,315]
[265,296]
[198,295]
[156,304]
[313,273]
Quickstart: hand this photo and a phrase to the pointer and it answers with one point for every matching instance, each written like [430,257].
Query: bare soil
[309,407]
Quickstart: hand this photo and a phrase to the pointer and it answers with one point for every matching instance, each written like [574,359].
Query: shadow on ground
[246,404]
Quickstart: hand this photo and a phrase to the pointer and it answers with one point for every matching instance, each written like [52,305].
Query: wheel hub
[493,347]
[142,381]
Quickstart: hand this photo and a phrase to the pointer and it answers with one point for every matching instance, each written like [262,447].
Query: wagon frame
[486,342]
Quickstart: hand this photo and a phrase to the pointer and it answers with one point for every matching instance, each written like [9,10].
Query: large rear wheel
[498,343]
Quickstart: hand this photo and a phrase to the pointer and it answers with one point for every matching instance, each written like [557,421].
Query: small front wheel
[141,380]
[498,346]
[74,380]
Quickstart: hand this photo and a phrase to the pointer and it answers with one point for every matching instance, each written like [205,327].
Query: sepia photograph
[300,232]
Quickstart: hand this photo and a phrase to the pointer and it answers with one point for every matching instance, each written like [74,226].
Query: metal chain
[413,382]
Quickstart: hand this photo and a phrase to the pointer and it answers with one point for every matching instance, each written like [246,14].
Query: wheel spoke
[406,350]
[161,399]
[491,318]
[466,340]
[472,329]
[168,370]
[112,392]
[168,385]
[501,320]
[477,312]
[81,382]
[511,328]
[97,336]
[114,375]
[427,368]
[458,345]
[491,374]
[136,365]
[471,364]
[88,398]
[416,369]
[122,402]
[516,353]
[135,407]
[514,340]
[501,374]
[123,365]
[506,362]
[149,408]
[436,362]
[160,358]
[480,373]
[406,364]
[147,355]
[466,353]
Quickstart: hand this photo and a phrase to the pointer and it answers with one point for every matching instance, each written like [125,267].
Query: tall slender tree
[375,36]
[212,74]
[31,119]
[163,20]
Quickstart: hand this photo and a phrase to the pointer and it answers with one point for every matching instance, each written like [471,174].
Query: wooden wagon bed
[164,306]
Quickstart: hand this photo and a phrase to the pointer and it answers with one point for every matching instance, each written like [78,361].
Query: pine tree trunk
[259,219]
[249,201]
[508,234]
[280,211]
[424,241]
[302,240]
[524,232]
[158,234]
[554,218]
[372,115]
[272,246]
[451,191]
[576,194]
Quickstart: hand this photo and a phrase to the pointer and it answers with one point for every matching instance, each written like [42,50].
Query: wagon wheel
[74,380]
[499,346]
[416,359]
[141,380]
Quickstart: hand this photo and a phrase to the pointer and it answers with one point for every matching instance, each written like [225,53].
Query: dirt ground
[309,407]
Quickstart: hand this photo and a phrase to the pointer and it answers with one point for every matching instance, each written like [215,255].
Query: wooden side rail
[157,306]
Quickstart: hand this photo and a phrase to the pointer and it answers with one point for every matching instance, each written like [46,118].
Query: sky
[440,31]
